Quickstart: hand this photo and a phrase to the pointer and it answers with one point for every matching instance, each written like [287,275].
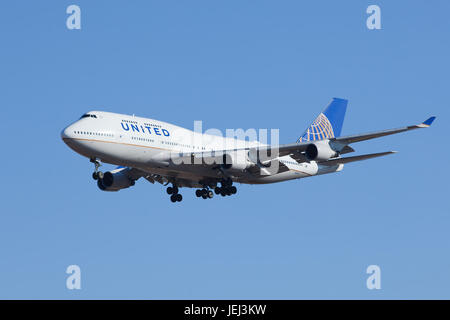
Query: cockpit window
[87,115]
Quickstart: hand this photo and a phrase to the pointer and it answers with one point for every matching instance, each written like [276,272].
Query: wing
[296,150]
[263,155]
[135,174]
[338,161]
[262,170]
[367,136]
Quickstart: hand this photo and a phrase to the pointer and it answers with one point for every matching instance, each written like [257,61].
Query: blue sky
[232,64]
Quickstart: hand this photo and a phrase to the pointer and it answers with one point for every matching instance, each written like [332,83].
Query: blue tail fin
[328,124]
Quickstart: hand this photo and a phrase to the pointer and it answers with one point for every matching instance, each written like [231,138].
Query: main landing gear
[204,193]
[175,196]
[226,188]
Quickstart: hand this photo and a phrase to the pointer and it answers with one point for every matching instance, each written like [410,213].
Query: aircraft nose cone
[66,133]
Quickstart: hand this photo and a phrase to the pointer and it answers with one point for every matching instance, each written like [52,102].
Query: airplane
[168,154]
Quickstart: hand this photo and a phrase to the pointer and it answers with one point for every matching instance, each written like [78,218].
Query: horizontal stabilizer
[338,161]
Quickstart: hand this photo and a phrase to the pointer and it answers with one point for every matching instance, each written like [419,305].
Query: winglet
[429,121]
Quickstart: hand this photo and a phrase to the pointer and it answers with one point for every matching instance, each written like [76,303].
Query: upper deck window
[87,115]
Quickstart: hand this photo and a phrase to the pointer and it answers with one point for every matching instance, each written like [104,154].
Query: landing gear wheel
[173,198]
[210,194]
[198,193]
[174,189]
[233,189]
[217,190]
[169,190]
[178,197]
[95,175]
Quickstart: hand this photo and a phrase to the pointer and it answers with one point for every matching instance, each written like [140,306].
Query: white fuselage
[147,144]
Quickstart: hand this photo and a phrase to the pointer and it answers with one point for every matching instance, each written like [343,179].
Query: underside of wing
[274,166]
[334,162]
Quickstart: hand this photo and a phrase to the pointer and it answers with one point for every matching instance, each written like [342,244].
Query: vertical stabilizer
[328,124]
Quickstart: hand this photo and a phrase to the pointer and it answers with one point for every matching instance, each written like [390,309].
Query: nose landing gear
[96,175]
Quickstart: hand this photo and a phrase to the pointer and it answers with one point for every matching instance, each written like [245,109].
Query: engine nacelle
[320,151]
[114,181]
[236,161]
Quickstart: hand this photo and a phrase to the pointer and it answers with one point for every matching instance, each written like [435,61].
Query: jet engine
[115,180]
[320,151]
[237,161]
